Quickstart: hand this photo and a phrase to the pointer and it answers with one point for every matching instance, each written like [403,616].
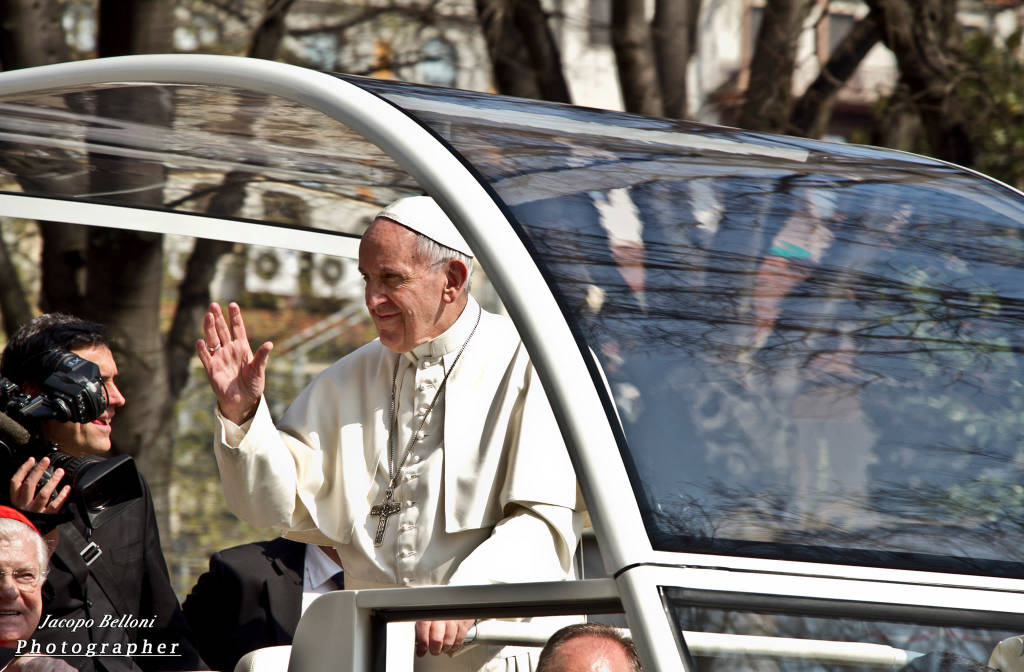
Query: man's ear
[456,275]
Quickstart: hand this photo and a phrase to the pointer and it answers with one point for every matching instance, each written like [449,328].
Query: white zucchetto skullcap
[424,216]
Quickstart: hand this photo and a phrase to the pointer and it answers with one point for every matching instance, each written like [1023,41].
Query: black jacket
[124,597]
[250,598]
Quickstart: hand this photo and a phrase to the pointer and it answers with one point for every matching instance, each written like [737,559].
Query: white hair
[14,530]
[434,253]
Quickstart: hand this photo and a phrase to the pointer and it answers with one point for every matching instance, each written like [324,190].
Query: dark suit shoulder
[251,597]
[290,554]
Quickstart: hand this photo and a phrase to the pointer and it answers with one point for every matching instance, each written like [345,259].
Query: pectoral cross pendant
[383,511]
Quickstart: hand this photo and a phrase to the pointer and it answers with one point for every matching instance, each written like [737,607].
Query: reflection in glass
[720,639]
[813,350]
[225,152]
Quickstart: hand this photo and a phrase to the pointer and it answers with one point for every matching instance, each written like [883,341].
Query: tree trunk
[922,35]
[900,125]
[672,29]
[125,268]
[124,280]
[63,266]
[135,27]
[532,24]
[524,57]
[812,112]
[632,41]
[31,34]
[769,93]
[13,304]
[271,29]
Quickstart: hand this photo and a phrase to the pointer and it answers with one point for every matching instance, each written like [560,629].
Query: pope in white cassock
[429,456]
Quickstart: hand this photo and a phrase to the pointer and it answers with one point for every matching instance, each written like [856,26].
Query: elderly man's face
[91,438]
[403,292]
[21,604]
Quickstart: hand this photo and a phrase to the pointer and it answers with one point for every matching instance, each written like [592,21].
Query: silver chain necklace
[388,506]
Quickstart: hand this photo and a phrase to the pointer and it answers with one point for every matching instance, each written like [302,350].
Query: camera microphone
[13,431]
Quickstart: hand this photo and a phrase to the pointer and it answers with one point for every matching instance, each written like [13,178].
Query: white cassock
[487,492]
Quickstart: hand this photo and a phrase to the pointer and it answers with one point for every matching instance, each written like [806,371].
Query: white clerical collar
[451,340]
[318,569]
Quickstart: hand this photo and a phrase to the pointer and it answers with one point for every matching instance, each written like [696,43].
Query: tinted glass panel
[813,350]
[227,152]
[720,639]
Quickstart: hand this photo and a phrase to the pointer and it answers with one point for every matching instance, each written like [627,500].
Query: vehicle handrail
[709,644]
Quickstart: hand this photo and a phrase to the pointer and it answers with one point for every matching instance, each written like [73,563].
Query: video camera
[72,391]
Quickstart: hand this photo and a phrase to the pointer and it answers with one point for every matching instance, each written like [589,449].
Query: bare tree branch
[365,15]
[230,8]
[424,14]
[814,109]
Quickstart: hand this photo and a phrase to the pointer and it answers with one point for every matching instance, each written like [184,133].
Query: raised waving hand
[236,374]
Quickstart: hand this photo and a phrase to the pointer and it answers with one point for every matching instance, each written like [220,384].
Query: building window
[320,50]
[838,26]
[438,63]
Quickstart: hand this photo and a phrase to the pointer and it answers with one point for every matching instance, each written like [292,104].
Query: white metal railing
[710,644]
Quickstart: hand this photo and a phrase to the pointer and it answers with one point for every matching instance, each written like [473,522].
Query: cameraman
[123,595]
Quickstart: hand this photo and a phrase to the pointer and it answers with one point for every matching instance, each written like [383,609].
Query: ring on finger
[213,349]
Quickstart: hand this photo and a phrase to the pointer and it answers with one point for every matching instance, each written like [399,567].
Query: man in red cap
[24,558]
[23,564]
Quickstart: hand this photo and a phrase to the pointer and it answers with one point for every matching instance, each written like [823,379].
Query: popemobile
[788,372]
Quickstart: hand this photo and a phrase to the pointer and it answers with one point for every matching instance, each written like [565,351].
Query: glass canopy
[213,150]
[813,350]
[809,351]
